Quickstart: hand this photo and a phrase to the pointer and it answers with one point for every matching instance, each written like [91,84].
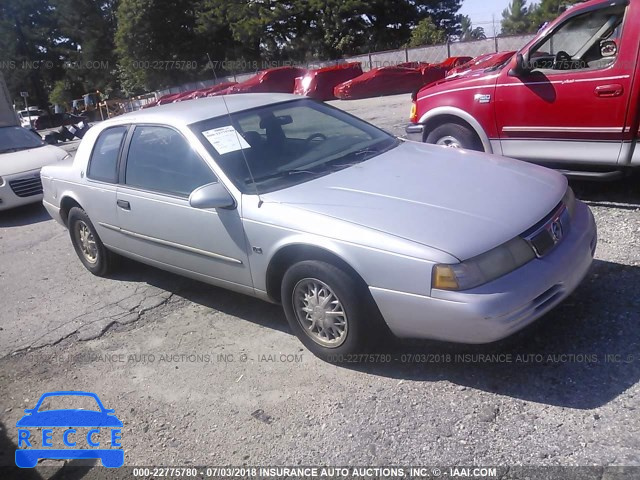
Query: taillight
[413,116]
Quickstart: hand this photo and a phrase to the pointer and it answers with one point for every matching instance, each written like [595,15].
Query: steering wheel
[313,136]
[563,61]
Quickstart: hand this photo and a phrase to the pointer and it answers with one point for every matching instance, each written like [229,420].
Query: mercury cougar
[356,233]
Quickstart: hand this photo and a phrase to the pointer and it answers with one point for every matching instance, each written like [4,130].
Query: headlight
[569,201]
[484,267]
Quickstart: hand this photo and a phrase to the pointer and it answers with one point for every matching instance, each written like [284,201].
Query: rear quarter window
[104,157]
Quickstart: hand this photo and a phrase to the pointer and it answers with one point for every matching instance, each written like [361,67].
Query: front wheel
[453,135]
[328,310]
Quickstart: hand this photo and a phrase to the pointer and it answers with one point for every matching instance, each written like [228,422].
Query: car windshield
[33,113]
[276,146]
[13,139]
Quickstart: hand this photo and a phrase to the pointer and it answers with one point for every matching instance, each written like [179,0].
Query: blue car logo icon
[103,429]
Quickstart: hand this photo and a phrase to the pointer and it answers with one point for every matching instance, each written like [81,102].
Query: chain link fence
[388,58]
[438,53]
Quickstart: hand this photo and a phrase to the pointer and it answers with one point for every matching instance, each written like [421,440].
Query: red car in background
[319,83]
[404,78]
[273,80]
[218,88]
[170,97]
[437,71]
[204,92]
[380,81]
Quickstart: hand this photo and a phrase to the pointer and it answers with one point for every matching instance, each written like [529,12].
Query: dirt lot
[201,376]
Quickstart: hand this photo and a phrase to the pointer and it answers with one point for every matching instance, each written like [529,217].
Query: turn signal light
[413,116]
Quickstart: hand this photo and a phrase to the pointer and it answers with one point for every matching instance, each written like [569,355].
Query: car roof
[196,110]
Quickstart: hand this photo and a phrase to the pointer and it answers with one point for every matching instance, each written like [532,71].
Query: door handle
[123,204]
[612,90]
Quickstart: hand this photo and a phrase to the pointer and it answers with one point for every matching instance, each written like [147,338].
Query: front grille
[545,235]
[27,186]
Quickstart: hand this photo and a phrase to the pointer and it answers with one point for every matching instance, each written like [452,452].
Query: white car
[28,117]
[22,155]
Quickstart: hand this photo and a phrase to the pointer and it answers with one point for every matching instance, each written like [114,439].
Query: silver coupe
[357,234]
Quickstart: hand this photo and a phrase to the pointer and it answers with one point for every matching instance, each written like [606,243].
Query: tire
[454,135]
[360,325]
[92,253]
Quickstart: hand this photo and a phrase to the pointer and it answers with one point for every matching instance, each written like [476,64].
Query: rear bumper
[500,308]
[414,132]
[53,211]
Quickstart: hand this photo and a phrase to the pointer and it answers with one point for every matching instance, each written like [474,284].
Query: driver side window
[585,42]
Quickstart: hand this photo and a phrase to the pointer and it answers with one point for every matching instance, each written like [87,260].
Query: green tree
[426,33]
[547,10]
[86,46]
[321,29]
[516,19]
[444,14]
[27,39]
[61,93]
[468,32]
[156,44]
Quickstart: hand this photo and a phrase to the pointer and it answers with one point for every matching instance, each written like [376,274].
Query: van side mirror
[521,67]
[212,195]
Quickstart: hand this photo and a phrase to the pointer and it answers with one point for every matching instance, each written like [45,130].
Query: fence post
[448,48]
[370,62]
[495,40]
[406,54]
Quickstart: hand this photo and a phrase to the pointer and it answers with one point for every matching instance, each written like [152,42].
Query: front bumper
[415,132]
[27,184]
[500,308]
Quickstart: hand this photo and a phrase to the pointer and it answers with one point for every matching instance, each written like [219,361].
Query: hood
[31,159]
[472,78]
[460,202]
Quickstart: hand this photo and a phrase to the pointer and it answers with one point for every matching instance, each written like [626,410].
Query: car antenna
[246,162]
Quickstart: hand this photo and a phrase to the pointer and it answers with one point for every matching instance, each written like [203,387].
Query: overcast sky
[481,12]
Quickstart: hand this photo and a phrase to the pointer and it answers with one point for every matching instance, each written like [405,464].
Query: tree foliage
[468,32]
[426,33]
[516,18]
[131,46]
[28,44]
[547,10]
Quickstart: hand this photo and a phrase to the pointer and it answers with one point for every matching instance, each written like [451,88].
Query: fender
[457,112]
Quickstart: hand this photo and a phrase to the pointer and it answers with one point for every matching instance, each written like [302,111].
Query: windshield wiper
[283,174]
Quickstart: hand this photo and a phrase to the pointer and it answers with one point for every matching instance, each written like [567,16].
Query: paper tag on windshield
[225,139]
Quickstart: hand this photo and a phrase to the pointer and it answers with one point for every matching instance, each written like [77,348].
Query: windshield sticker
[225,139]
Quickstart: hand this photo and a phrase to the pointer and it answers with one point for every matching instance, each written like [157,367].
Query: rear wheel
[87,244]
[328,310]
[453,135]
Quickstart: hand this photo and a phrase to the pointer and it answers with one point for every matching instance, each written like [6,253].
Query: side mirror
[608,48]
[212,195]
[521,67]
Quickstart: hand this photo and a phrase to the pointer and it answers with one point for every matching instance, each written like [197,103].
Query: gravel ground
[201,376]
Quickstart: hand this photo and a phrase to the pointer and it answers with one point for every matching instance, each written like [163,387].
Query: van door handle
[123,204]
[613,90]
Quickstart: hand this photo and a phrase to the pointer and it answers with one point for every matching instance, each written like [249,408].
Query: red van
[568,99]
